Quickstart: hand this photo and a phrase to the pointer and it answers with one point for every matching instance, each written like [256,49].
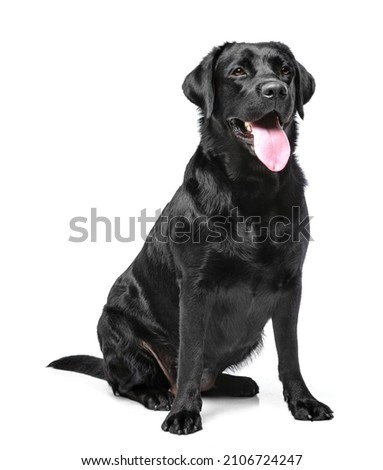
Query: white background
[92,115]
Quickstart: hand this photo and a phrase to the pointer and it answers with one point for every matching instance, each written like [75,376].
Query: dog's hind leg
[233,386]
[131,370]
[135,376]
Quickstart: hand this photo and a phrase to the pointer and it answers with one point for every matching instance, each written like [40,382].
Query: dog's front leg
[185,418]
[301,403]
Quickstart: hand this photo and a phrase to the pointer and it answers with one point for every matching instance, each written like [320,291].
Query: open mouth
[244,129]
[266,138]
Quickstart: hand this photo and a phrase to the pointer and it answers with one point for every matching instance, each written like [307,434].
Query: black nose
[274,90]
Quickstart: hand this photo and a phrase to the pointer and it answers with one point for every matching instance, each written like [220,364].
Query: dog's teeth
[248,126]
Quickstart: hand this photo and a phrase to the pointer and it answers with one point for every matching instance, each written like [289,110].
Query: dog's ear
[304,88]
[198,86]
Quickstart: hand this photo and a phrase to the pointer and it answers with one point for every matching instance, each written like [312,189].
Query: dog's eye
[238,71]
[285,70]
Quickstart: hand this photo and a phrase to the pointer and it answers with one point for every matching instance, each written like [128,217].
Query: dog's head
[254,91]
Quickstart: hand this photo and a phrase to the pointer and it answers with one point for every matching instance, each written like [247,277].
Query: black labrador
[226,254]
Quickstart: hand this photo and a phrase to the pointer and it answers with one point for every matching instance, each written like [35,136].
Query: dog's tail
[88,365]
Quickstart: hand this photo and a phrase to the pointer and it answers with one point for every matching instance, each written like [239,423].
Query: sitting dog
[226,254]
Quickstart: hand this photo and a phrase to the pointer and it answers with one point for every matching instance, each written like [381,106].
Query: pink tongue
[271,144]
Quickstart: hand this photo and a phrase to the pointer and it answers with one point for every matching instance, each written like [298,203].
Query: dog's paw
[309,409]
[155,399]
[182,422]
[233,386]
[246,388]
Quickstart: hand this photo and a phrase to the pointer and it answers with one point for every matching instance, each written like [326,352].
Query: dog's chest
[252,266]
[246,289]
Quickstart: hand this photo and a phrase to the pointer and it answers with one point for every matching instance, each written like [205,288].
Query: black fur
[84,364]
[188,308]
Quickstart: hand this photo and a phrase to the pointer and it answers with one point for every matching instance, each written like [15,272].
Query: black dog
[225,256]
